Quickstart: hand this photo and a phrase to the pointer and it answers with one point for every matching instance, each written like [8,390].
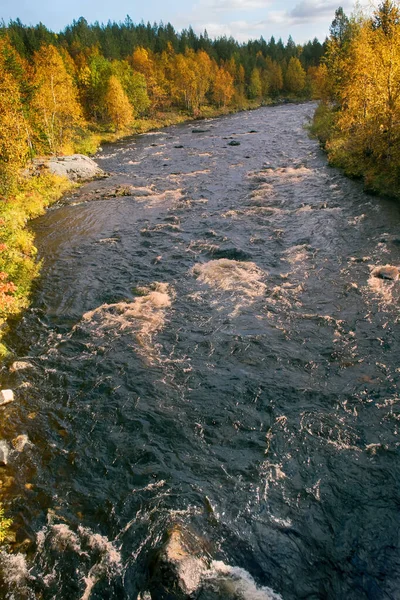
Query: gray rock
[386,272]
[234,143]
[4,452]
[178,567]
[6,396]
[76,167]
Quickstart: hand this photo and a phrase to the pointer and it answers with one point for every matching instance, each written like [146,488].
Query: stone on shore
[76,167]
[386,272]
[20,365]
[4,452]
[6,396]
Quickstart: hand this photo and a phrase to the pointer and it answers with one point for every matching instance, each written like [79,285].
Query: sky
[243,19]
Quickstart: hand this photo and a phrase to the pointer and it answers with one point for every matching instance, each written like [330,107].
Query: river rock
[234,143]
[20,442]
[76,167]
[4,452]
[6,396]
[20,365]
[386,272]
[178,567]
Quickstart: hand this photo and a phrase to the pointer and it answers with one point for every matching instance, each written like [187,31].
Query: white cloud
[232,5]
[307,12]
[240,30]
[314,9]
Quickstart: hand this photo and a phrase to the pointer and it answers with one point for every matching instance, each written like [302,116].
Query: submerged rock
[76,167]
[182,570]
[20,442]
[6,396]
[386,272]
[178,567]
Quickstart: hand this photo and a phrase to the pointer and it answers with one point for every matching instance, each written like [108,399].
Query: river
[207,347]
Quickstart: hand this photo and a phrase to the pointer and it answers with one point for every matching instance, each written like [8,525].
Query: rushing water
[210,350]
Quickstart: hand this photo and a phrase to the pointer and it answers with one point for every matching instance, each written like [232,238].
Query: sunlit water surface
[210,350]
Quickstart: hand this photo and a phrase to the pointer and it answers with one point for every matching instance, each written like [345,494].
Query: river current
[207,346]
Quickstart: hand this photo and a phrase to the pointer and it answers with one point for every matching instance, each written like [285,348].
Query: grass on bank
[18,265]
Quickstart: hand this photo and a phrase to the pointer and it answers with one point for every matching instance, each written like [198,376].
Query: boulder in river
[178,566]
[386,272]
[6,396]
[234,143]
[76,167]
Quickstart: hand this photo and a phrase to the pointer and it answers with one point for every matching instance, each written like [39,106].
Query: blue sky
[244,19]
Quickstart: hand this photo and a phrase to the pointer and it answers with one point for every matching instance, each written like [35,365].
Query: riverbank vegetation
[69,92]
[358,120]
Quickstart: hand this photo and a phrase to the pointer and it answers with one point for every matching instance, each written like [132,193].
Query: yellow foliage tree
[119,110]
[255,85]
[55,103]
[143,62]
[14,131]
[223,89]
[295,78]
[370,94]
[359,118]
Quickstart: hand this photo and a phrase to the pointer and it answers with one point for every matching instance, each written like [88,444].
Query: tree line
[358,120]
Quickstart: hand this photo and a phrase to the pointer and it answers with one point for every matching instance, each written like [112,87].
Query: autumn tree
[57,111]
[142,61]
[223,88]
[295,77]
[14,127]
[360,112]
[255,85]
[14,132]
[134,85]
[119,110]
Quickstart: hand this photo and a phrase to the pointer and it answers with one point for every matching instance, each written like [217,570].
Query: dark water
[211,350]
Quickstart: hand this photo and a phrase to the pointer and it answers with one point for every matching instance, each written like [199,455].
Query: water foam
[242,279]
[14,572]
[110,560]
[236,583]
[385,290]
[143,317]
[94,549]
